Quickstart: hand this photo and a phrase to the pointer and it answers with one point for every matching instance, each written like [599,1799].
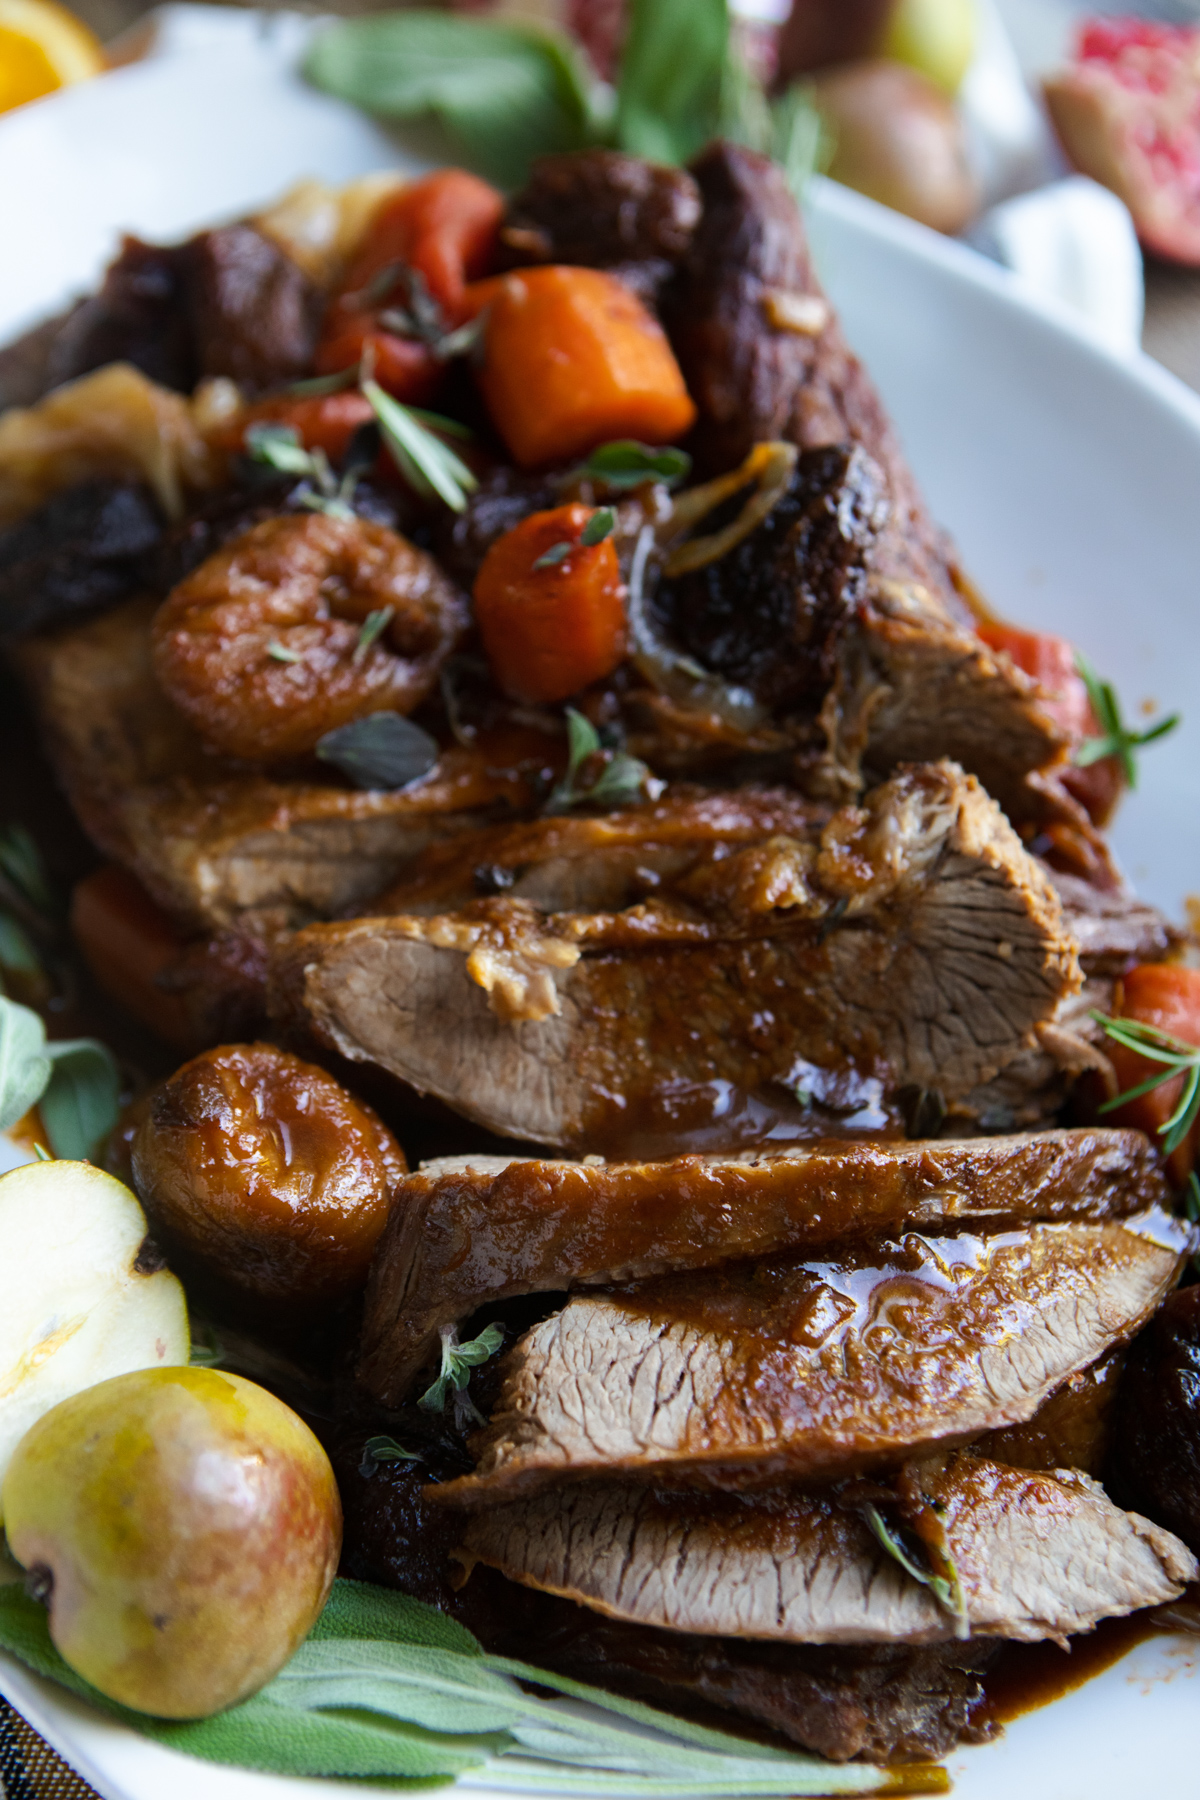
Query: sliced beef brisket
[472,1230]
[912,941]
[813,1369]
[1037,1556]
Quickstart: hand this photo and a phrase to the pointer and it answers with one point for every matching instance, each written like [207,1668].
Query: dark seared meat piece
[908,942]
[25,363]
[1154,1462]
[468,1230]
[85,549]
[137,316]
[1071,1430]
[227,302]
[604,210]
[1038,1556]
[814,1367]
[253,314]
[770,615]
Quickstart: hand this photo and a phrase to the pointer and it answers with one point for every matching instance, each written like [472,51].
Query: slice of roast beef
[471,1230]
[604,210]
[878,1702]
[1036,1556]
[136,316]
[209,839]
[909,943]
[813,1369]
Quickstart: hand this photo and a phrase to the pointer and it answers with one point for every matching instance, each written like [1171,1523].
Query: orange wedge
[42,47]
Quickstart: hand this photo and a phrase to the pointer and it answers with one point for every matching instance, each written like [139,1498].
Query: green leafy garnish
[504,91]
[373,627]
[23,873]
[673,68]
[423,319]
[388,1689]
[279,447]
[622,781]
[383,752]
[75,1082]
[946,1589]
[598,527]
[280,653]
[457,1362]
[557,553]
[1176,1058]
[427,464]
[384,1449]
[18,953]
[1116,738]
[315,387]
[627,464]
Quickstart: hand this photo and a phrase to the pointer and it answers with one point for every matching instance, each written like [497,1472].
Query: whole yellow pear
[183,1526]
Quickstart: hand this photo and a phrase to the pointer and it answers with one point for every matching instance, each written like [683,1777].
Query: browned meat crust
[1037,1556]
[471,1230]
[802,1369]
[209,839]
[912,942]
[1155,1459]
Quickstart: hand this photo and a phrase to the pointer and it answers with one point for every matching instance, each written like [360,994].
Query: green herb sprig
[1176,1058]
[598,527]
[427,464]
[622,781]
[1116,738]
[384,1449]
[279,447]
[31,913]
[946,1589]
[458,1360]
[388,1689]
[627,464]
[75,1083]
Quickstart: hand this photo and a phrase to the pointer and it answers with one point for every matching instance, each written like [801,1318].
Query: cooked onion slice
[667,668]
[768,466]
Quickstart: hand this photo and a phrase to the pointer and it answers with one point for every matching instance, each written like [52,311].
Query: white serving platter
[1069,475]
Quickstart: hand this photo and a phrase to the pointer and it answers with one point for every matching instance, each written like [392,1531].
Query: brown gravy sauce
[1026,1677]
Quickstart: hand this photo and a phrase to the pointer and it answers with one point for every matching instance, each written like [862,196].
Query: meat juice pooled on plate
[612,771]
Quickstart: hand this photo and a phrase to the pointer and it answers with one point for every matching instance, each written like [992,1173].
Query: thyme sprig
[279,447]
[622,781]
[1176,1058]
[1116,738]
[598,527]
[384,1449]
[373,627]
[458,1360]
[947,1588]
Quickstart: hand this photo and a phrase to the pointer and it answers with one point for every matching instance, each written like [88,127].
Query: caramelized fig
[262,1171]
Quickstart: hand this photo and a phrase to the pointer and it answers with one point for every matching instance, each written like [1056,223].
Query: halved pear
[75,1306]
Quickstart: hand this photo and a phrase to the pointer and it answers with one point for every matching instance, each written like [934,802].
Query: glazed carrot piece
[1051,662]
[1166,995]
[128,942]
[324,422]
[572,359]
[550,630]
[441,230]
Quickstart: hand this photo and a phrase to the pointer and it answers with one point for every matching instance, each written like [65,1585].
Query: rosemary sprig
[373,627]
[427,464]
[1176,1058]
[458,1360]
[623,781]
[946,1589]
[1116,738]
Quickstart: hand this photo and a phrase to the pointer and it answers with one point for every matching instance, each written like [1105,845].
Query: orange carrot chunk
[1051,662]
[1166,995]
[550,630]
[128,942]
[572,359]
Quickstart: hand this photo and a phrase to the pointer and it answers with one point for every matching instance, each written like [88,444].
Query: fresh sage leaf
[622,781]
[82,1100]
[384,751]
[18,953]
[24,1064]
[598,527]
[386,1687]
[384,1449]
[457,1362]
[627,464]
[503,91]
[673,70]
